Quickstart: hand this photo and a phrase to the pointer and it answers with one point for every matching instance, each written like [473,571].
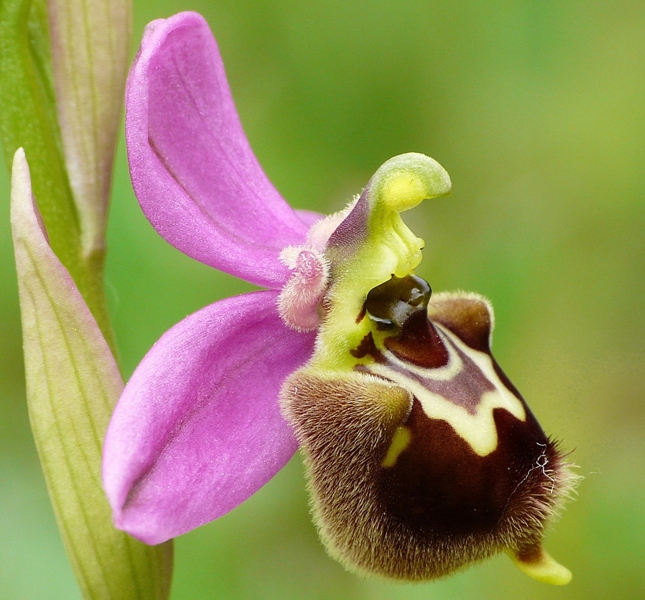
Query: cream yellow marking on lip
[478,429]
[400,442]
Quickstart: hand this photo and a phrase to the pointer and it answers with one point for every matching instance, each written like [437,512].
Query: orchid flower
[406,423]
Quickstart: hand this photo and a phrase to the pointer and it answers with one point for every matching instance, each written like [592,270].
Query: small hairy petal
[192,168]
[299,299]
[198,429]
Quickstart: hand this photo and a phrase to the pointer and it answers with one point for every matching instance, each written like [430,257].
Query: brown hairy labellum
[423,457]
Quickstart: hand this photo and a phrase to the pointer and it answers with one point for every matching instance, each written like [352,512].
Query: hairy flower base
[402,494]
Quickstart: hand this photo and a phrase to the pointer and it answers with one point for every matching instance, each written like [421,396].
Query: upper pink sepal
[192,168]
[198,428]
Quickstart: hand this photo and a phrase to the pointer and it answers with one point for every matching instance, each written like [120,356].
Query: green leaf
[28,119]
[72,385]
[90,41]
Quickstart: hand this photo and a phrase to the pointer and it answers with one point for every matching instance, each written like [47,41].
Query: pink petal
[192,168]
[198,428]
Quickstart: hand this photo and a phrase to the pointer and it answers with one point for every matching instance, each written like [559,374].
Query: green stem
[28,119]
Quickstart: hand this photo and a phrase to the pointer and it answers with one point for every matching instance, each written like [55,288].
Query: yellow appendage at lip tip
[544,568]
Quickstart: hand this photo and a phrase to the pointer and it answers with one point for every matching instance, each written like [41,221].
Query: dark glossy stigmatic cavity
[392,303]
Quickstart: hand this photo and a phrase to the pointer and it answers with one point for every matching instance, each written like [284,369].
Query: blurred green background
[537,110]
